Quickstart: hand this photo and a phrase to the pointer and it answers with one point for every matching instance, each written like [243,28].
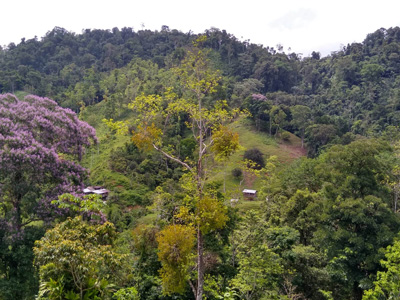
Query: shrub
[237,173]
[285,136]
[256,156]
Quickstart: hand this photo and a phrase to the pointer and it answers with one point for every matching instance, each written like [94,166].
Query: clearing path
[295,151]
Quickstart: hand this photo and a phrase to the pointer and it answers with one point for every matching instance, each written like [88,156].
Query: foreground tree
[78,261]
[259,268]
[203,212]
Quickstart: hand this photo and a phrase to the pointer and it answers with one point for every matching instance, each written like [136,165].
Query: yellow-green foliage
[175,245]
[147,106]
[195,71]
[226,142]
[210,214]
[118,127]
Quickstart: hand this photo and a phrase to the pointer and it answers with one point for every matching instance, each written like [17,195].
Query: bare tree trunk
[200,243]
[200,265]
[193,288]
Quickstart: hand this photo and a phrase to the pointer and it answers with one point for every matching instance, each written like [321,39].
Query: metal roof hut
[249,194]
[98,190]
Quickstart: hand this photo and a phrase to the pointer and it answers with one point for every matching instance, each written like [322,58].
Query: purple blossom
[259,97]
[40,146]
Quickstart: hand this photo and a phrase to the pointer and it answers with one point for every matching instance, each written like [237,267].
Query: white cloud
[294,19]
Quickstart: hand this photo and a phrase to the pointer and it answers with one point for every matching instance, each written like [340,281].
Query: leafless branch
[173,158]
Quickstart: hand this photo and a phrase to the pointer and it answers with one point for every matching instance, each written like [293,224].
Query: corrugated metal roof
[247,191]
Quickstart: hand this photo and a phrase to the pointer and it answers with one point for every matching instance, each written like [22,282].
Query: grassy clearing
[250,138]
[97,157]
[248,205]
[21,94]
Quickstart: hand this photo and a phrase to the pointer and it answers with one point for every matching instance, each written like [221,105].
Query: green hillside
[165,121]
[97,159]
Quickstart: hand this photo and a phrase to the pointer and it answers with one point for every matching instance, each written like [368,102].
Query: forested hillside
[175,125]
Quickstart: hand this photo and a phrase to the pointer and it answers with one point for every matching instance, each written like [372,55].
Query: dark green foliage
[148,169]
[340,206]
[19,278]
[187,147]
[304,265]
[362,227]
[144,172]
[256,156]
[237,172]
[319,135]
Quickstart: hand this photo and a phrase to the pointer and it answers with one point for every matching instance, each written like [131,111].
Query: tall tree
[301,119]
[203,210]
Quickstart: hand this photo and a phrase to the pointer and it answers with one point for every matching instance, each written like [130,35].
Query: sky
[303,25]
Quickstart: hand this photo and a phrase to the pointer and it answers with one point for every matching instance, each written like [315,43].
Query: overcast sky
[304,26]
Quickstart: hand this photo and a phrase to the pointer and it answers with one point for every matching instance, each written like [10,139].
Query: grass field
[97,157]
[249,138]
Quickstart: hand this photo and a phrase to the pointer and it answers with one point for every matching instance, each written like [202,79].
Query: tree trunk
[270,127]
[200,265]
[16,202]
[17,211]
[200,243]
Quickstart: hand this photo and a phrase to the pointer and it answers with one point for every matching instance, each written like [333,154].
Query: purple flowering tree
[259,97]
[41,144]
